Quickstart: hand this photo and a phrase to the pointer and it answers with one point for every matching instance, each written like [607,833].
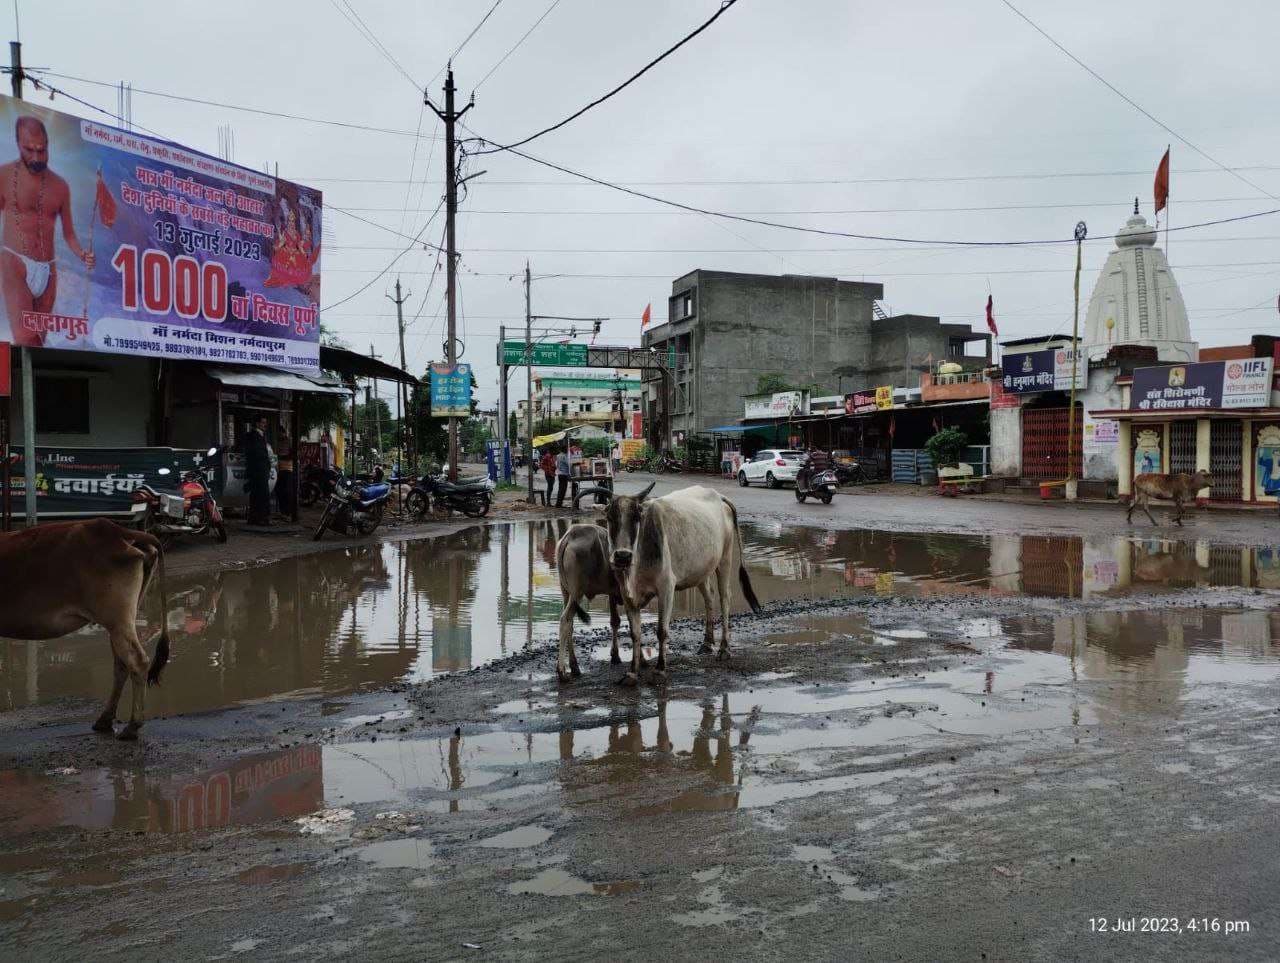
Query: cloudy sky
[917,119]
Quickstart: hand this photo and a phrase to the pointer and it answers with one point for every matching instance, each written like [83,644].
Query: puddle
[556,882]
[522,837]
[399,854]
[370,616]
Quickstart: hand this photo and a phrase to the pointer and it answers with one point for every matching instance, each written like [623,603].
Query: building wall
[120,399]
[902,347]
[1006,442]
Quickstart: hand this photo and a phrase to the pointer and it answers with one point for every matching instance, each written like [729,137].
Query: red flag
[106,204]
[991,318]
[1162,183]
[644,318]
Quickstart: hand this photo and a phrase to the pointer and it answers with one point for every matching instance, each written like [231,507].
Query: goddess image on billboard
[126,244]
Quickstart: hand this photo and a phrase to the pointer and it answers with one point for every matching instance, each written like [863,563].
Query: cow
[60,577]
[1178,488]
[582,559]
[679,541]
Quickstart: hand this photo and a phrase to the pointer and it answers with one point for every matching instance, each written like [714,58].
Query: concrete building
[725,329]
[582,396]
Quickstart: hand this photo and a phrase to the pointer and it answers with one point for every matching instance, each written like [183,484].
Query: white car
[773,466]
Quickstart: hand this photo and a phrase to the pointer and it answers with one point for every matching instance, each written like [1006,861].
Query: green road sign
[557,355]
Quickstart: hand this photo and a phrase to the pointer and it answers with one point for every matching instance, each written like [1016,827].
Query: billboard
[127,244]
[781,404]
[1245,383]
[1048,369]
[450,391]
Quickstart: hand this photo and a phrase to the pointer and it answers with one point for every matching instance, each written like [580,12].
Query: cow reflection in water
[628,768]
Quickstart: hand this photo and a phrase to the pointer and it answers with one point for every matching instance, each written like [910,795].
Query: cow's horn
[645,494]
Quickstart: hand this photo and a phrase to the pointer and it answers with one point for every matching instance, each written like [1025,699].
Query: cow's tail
[744,579]
[161,657]
[581,613]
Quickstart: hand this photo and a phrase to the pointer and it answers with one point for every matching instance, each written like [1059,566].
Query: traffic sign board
[551,355]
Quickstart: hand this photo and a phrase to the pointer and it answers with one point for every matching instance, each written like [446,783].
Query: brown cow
[61,577]
[1177,488]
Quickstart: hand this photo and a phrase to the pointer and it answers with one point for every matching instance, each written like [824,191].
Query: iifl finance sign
[1244,383]
[127,244]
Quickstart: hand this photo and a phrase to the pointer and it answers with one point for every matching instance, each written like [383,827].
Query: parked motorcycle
[354,505]
[192,511]
[317,483]
[816,484]
[471,497]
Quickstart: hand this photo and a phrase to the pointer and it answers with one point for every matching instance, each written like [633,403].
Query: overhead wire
[523,38]
[367,33]
[724,6]
[392,263]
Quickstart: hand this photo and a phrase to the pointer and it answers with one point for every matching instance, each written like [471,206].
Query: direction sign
[551,355]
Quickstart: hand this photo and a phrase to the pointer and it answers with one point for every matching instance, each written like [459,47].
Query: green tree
[945,447]
[771,382]
[473,436]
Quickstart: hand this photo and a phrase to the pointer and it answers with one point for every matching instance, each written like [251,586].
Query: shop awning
[723,430]
[282,380]
[352,365]
[540,440]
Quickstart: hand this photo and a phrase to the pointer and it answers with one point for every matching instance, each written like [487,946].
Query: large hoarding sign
[1245,383]
[1046,370]
[450,391]
[101,481]
[781,404]
[126,244]
[553,355]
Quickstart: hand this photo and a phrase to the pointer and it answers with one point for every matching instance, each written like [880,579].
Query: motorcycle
[820,485]
[192,511]
[471,497]
[354,505]
[317,483]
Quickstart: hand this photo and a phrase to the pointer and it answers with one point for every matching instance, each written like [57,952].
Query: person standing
[548,466]
[257,465]
[562,476]
[284,475]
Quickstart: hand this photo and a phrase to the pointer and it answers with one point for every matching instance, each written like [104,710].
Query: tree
[945,447]
[771,382]
[376,417]
[473,436]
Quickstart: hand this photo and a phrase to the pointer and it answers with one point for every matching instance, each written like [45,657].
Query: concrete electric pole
[401,394]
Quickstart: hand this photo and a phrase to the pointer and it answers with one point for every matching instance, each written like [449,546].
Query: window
[62,406]
[682,305]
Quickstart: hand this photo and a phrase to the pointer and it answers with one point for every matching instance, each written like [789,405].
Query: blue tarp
[724,430]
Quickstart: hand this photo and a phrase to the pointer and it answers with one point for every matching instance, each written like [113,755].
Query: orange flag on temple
[105,203]
[1162,183]
[644,318]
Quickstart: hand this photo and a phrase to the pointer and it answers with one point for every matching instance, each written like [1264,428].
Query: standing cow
[1178,488]
[61,577]
[582,559]
[679,541]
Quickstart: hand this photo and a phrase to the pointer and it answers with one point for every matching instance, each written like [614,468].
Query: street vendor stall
[595,471]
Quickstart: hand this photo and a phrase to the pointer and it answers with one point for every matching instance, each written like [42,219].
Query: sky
[927,120]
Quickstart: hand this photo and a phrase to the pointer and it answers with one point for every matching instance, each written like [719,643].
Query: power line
[725,5]
[503,58]
[475,30]
[414,242]
[1135,105]
[364,30]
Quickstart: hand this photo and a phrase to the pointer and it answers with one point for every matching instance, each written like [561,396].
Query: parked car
[773,466]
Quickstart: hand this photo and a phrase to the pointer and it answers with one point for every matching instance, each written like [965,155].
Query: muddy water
[365,617]
[768,740]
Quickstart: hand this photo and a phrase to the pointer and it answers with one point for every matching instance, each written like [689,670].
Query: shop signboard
[884,397]
[780,404]
[450,391]
[160,250]
[101,481]
[1243,383]
[868,401]
[1048,369]
[553,355]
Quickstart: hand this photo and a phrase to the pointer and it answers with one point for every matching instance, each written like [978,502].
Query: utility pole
[28,378]
[528,384]
[377,415]
[401,394]
[450,117]
[1081,233]
[503,441]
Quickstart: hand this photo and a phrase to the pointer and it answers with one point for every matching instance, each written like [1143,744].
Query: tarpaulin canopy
[724,430]
[540,440]
[282,380]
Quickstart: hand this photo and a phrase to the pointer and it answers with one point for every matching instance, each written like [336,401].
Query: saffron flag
[1162,183]
[105,203]
[991,318]
[644,318]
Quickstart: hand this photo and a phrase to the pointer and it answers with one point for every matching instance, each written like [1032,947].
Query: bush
[945,447]
[596,447]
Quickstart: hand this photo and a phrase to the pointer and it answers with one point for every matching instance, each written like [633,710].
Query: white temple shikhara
[1137,301]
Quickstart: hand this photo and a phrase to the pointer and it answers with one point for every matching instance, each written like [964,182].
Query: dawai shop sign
[1245,383]
[1046,370]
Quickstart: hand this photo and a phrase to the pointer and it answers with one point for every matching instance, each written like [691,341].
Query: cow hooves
[658,677]
[129,733]
[104,723]
[706,648]
[723,654]
[562,676]
[575,671]
[614,658]
[630,679]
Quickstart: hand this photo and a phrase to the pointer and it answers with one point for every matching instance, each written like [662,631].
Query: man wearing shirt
[562,476]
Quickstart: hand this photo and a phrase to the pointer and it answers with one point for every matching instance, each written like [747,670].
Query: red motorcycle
[192,512]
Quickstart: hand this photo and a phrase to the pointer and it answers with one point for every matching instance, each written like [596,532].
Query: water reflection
[373,615]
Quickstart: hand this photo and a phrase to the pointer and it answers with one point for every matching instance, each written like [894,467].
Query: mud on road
[928,747]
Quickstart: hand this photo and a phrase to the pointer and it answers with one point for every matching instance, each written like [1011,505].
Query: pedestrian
[562,476]
[549,470]
[257,465]
[616,456]
[284,475]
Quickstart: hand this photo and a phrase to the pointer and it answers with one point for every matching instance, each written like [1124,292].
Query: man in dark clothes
[257,465]
[548,466]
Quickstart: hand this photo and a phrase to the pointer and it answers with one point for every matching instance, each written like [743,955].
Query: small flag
[1162,183]
[991,318]
[645,318]
[105,203]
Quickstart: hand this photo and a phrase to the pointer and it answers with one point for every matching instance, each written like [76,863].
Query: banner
[781,404]
[450,391]
[1203,385]
[101,481]
[1046,370]
[127,244]
[860,403]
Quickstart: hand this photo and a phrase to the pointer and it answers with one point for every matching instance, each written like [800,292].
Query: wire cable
[392,263]
[503,59]
[725,5]
[363,29]
[475,30]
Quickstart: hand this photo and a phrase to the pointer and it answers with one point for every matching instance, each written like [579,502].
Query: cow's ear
[645,494]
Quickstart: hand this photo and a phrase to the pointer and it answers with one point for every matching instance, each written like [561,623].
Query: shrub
[945,447]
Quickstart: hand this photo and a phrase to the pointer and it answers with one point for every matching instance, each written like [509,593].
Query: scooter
[192,512]
[820,485]
[354,505]
[471,497]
